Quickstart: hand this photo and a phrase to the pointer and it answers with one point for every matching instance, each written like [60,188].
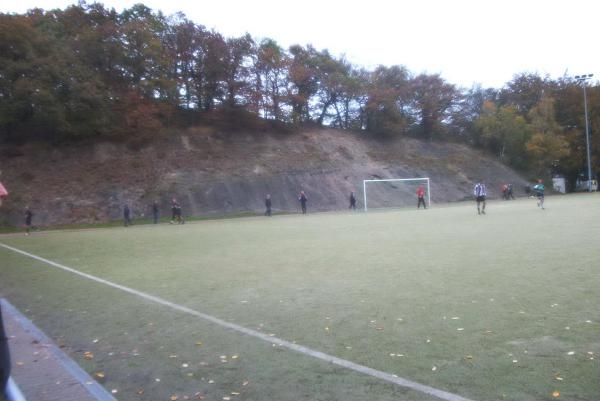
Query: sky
[467,42]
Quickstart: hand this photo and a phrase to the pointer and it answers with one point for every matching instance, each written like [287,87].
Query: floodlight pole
[581,79]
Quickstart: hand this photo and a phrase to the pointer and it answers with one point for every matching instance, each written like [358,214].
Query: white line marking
[444,395]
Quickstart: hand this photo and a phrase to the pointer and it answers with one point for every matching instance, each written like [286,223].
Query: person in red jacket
[421,196]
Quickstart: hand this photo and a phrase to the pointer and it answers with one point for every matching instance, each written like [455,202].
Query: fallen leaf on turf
[173,356]
[379,328]
[559,378]
[588,321]
[184,365]
[173,398]
[348,347]
[88,355]
[235,393]
[469,357]
[211,381]
[392,355]
[114,391]
[198,343]
[99,375]
[460,329]
[234,356]
[157,380]
[190,374]
[567,328]
[19,363]
[223,357]
[245,383]
[515,361]
[434,368]
[428,340]
[571,353]
[522,312]
[226,398]
[556,394]
[140,392]
[455,318]
[399,319]
[488,332]
[95,341]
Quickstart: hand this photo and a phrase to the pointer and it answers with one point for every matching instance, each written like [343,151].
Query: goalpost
[424,181]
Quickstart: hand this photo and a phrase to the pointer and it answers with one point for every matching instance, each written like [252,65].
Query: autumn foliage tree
[89,71]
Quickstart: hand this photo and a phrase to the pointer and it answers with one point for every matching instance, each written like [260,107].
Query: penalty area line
[388,377]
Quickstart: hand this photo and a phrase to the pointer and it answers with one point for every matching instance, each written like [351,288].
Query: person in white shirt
[480,194]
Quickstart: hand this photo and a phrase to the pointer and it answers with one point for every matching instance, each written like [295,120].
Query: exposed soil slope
[215,172]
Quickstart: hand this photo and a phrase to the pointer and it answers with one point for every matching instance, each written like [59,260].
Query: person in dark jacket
[510,192]
[28,218]
[302,199]
[126,215]
[176,210]
[4,357]
[268,205]
[155,212]
[352,201]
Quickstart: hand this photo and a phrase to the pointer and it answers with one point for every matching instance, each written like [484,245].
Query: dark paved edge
[73,369]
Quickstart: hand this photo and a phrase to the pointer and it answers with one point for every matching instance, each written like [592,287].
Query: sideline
[88,386]
[391,378]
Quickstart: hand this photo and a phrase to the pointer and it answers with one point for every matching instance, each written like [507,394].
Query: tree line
[88,71]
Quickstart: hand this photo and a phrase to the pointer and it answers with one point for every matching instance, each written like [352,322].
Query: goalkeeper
[421,197]
[539,193]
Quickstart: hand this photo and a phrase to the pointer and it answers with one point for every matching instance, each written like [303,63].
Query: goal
[403,190]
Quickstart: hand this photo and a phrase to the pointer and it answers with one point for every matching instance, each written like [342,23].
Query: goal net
[394,192]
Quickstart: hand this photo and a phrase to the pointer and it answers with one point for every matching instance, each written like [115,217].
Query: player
[28,218]
[4,357]
[539,193]
[3,192]
[126,215]
[421,197]
[302,199]
[480,194]
[352,201]
[155,212]
[510,192]
[268,205]
[176,211]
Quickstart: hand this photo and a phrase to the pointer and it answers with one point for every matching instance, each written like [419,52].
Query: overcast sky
[477,41]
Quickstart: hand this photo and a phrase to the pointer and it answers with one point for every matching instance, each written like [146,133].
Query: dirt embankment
[213,172]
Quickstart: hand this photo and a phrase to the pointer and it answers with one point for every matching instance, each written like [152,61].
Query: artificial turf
[496,307]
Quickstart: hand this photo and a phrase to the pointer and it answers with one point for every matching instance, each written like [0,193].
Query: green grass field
[497,307]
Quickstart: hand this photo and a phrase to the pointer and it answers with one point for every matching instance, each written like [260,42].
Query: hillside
[212,172]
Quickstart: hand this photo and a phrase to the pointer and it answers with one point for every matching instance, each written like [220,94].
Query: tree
[387,109]
[524,91]
[303,81]
[237,67]
[434,99]
[504,132]
[270,70]
[547,143]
